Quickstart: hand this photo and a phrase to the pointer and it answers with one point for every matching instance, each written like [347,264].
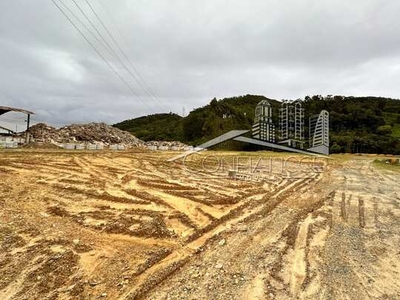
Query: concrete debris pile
[92,134]
[43,133]
[163,145]
[96,136]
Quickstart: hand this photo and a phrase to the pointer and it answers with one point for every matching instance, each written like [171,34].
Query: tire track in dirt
[275,238]
[343,209]
[255,242]
[159,272]
[299,265]
[361,212]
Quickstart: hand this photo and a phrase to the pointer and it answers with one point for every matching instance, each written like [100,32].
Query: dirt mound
[90,133]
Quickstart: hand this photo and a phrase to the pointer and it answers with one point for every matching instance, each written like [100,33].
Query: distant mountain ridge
[358,124]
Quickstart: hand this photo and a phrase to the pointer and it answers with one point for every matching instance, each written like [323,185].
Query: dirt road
[133,226]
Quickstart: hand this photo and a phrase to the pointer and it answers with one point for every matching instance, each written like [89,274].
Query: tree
[384,130]
[335,148]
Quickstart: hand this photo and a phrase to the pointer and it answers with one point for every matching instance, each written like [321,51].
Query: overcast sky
[188,52]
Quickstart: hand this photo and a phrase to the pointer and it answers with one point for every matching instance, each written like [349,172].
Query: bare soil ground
[108,225]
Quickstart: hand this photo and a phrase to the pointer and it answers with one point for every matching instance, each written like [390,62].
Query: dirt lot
[108,225]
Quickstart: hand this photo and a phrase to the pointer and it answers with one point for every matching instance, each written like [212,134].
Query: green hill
[165,127]
[358,124]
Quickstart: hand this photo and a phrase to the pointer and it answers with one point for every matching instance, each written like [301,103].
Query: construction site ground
[131,225]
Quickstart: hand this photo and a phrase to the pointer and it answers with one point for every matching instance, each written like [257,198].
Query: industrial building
[10,138]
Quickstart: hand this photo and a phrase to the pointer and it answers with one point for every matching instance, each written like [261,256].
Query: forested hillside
[164,127]
[358,124]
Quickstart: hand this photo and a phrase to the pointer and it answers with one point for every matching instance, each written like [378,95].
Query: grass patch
[388,164]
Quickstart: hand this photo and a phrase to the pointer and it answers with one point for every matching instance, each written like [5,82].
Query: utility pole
[28,121]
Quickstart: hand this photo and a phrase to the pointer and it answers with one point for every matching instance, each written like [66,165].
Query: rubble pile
[86,133]
[42,132]
[164,145]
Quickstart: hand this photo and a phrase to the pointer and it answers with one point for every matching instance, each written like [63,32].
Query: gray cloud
[192,51]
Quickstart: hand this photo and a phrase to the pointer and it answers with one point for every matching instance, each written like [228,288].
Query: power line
[95,28]
[97,51]
[92,34]
[84,25]
[108,48]
[141,80]
[126,44]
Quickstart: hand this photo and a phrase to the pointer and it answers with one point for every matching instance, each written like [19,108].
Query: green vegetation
[358,124]
[164,127]
[221,116]
[388,164]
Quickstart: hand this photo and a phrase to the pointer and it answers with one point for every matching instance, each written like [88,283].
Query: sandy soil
[125,225]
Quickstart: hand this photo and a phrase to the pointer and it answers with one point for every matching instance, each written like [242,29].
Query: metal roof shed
[6,109]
